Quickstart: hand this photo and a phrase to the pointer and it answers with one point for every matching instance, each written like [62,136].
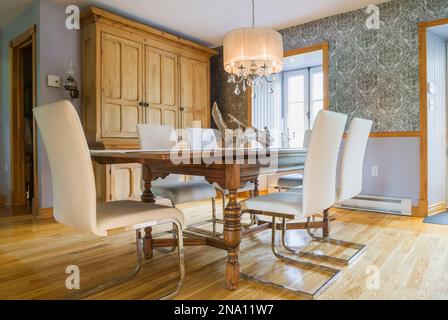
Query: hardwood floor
[407,257]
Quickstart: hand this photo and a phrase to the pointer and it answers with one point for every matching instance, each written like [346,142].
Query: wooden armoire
[133,73]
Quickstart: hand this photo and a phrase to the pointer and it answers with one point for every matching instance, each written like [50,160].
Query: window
[289,107]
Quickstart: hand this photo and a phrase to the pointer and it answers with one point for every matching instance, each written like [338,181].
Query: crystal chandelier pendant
[252,56]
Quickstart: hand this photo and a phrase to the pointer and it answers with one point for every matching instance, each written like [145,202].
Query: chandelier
[252,55]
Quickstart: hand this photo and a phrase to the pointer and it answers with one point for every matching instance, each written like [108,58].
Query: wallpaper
[373,73]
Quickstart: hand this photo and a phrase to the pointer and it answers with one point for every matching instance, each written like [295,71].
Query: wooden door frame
[324,46]
[423,203]
[18,196]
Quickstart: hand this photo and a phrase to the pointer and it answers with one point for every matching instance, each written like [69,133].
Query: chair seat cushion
[183,191]
[296,189]
[290,181]
[248,187]
[125,213]
[285,204]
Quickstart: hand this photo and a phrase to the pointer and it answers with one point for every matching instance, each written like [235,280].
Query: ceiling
[441,31]
[304,60]
[207,21]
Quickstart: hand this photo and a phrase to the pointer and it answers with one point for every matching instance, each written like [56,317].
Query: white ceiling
[207,21]
[304,60]
[441,31]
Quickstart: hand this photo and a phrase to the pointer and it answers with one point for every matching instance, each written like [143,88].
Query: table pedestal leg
[256,190]
[232,239]
[147,196]
[326,224]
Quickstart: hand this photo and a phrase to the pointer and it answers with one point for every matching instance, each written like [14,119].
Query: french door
[302,100]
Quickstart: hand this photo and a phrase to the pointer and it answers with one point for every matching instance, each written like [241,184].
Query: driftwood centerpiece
[241,136]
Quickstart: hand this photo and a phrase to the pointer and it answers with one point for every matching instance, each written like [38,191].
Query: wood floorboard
[405,259]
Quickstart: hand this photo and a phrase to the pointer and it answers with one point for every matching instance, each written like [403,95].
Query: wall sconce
[70,83]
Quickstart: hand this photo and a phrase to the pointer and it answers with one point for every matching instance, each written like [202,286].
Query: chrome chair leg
[180,256]
[172,249]
[333,273]
[360,248]
[121,279]
[214,217]
[193,229]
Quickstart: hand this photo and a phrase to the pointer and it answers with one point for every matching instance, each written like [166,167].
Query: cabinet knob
[181,109]
[146,104]
[141,104]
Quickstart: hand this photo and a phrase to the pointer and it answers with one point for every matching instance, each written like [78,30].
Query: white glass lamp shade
[253,50]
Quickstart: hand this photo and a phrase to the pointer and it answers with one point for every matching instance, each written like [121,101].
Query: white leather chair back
[319,181]
[156,137]
[74,194]
[306,138]
[352,161]
[202,139]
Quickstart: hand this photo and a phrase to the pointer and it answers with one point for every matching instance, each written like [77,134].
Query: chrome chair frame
[196,227]
[360,248]
[334,273]
[139,245]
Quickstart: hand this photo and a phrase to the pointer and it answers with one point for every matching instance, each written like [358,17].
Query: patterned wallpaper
[373,73]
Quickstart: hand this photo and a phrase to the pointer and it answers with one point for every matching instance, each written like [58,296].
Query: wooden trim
[324,46]
[23,37]
[437,208]
[320,46]
[96,13]
[16,114]
[394,134]
[249,107]
[423,195]
[44,213]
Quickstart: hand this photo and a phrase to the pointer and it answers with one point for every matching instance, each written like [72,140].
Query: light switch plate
[53,81]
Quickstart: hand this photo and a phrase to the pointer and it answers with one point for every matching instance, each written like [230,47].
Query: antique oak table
[230,168]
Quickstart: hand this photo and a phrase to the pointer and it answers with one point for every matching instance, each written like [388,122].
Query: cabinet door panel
[122,86]
[112,118]
[130,118]
[186,83]
[121,184]
[153,75]
[131,73]
[126,182]
[154,116]
[194,93]
[170,117]
[160,86]
[111,69]
[169,66]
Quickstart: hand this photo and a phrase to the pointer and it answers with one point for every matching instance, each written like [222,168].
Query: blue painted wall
[55,47]
[24,21]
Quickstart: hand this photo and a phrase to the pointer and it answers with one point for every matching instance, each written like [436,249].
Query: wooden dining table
[230,168]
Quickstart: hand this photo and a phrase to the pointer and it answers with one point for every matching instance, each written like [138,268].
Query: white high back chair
[294,180]
[74,188]
[350,185]
[352,161]
[202,139]
[153,137]
[319,190]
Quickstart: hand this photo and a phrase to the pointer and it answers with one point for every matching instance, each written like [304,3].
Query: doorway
[23,129]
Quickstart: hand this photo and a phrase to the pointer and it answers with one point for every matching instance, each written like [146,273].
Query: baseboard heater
[378,204]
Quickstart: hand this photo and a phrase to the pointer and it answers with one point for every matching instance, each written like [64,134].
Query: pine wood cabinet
[133,73]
